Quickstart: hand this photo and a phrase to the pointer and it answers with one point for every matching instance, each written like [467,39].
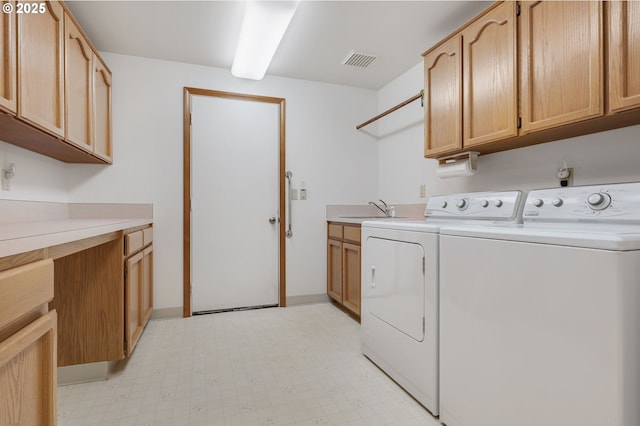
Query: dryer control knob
[497,203]
[484,203]
[557,202]
[538,202]
[462,204]
[444,204]
[599,201]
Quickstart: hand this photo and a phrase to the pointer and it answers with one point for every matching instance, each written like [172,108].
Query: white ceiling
[320,36]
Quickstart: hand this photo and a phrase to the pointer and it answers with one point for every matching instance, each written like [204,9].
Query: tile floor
[294,366]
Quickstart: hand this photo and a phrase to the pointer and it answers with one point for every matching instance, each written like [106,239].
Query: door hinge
[126,347]
[423,266]
[519,122]
[126,271]
[423,325]
[518,10]
[190,119]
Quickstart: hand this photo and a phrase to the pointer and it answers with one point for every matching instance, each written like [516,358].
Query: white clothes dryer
[540,323]
[399,312]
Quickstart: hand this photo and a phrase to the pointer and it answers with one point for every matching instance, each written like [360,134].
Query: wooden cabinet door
[561,52]
[623,19]
[134,320]
[102,110]
[28,374]
[78,86]
[351,277]
[443,98]
[334,270]
[147,284]
[489,76]
[40,68]
[8,60]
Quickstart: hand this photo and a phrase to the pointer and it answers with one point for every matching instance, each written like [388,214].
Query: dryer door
[393,283]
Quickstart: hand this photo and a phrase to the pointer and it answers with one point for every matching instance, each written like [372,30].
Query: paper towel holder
[472,156]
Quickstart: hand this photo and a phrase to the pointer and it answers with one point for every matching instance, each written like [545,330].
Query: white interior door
[234,194]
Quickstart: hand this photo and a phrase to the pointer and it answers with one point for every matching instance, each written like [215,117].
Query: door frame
[186,246]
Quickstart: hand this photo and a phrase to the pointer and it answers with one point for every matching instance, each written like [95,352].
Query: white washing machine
[540,324]
[399,312]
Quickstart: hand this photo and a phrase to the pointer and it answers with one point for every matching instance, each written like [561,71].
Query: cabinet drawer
[25,288]
[133,242]
[335,231]
[147,236]
[352,233]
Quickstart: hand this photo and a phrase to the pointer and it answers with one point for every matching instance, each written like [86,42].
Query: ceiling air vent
[356,59]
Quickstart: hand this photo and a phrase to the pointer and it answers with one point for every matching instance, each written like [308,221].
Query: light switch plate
[294,193]
[303,193]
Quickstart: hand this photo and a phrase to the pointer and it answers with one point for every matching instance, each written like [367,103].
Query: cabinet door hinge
[423,325]
[519,122]
[126,346]
[190,119]
[423,266]
[126,271]
[518,9]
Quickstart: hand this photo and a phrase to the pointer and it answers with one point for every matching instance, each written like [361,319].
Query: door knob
[272,220]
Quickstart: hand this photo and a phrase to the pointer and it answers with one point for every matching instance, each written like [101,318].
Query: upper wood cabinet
[623,23]
[8,61]
[101,109]
[561,58]
[54,87]
[40,68]
[443,98]
[78,86]
[533,72]
[490,77]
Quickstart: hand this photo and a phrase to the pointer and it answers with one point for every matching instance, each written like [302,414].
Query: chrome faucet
[385,210]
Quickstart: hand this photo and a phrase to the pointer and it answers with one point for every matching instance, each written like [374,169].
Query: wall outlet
[294,193]
[566,177]
[423,191]
[303,193]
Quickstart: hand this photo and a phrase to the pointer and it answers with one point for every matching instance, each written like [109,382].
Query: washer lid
[596,236]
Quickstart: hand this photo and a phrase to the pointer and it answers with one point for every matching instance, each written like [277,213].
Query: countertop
[21,237]
[356,214]
[355,220]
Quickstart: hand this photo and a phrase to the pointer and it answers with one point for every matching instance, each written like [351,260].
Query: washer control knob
[557,202]
[497,203]
[538,202]
[484,203]
[462,204]
[599,201]
[444,204]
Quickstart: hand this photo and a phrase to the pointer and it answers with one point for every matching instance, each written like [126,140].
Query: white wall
[605,157]
[37,178]
[337,163]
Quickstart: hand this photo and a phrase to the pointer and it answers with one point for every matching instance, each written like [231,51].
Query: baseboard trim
[307,299]
[166,313]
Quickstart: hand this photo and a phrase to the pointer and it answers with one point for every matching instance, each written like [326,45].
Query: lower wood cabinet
[27,344]
[138,275]
[343,266]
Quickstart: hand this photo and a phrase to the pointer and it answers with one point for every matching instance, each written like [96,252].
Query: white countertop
[21,237]
[354,220]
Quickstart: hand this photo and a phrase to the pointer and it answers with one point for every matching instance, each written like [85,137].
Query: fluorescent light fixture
[263,27]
